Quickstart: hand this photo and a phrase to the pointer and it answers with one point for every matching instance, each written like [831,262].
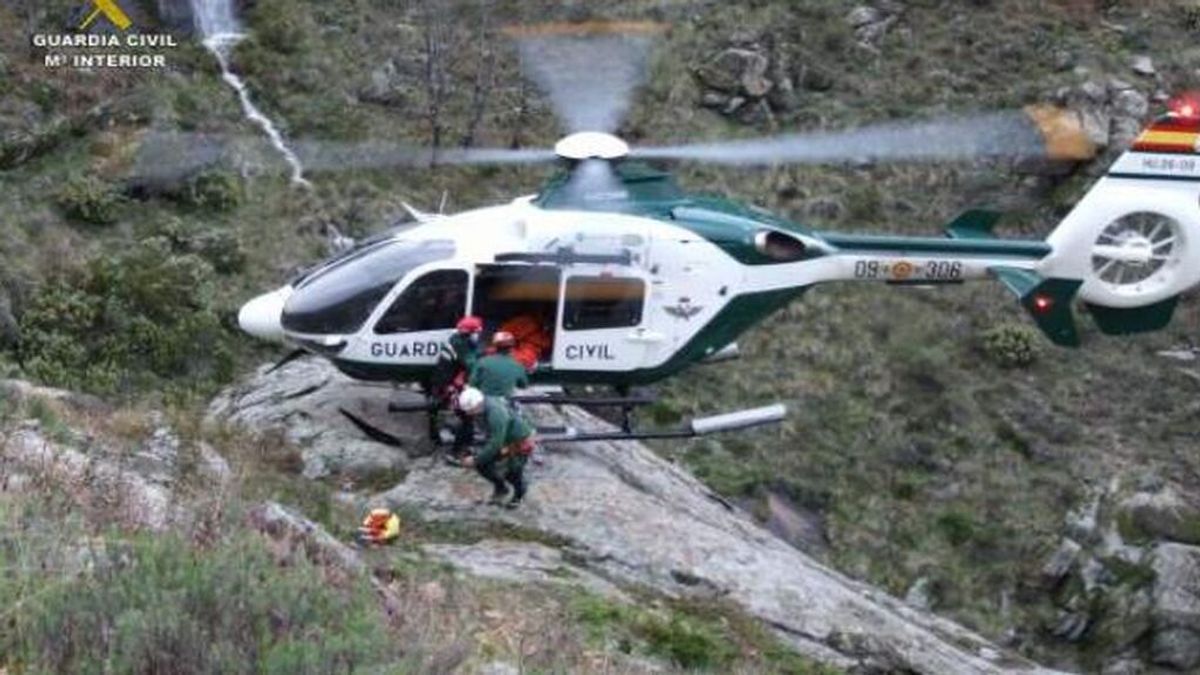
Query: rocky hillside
[938,449]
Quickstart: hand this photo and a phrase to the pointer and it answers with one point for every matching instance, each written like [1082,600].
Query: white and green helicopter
[635,279]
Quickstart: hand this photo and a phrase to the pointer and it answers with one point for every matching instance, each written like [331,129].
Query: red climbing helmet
[470,324]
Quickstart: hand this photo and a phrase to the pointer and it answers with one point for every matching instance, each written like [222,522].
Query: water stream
[221,31]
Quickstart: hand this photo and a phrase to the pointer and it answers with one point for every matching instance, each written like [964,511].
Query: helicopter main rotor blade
[588,70]
[1033,133]
[172,156]
[328,156]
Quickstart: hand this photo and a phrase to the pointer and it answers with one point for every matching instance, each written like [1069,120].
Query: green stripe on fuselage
[1017,248]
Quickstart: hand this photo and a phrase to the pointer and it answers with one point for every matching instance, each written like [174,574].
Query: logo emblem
[902,270]
[110,10]
[684,310]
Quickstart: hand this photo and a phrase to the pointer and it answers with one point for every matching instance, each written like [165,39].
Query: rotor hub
[591,145]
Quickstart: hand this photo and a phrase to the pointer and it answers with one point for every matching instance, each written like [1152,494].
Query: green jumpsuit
[498,375]
[505,427]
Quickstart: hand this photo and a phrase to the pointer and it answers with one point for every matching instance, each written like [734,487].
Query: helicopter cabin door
[602,321]
[420,317]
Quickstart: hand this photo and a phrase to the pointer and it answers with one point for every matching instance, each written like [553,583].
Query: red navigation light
[1042,303]
[1186,106]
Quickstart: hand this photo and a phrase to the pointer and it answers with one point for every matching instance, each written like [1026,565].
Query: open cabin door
[520,298]
[602,321]
[420,317]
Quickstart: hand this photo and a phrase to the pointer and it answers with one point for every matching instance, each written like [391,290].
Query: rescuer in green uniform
[510,443]
[456,359]
[499,374]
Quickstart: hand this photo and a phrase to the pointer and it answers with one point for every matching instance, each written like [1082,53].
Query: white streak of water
[217,24]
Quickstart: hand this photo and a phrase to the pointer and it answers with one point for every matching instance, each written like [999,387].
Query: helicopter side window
[338,298]
[603,302]
[435,301]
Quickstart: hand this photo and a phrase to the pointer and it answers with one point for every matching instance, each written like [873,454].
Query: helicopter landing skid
[701,426]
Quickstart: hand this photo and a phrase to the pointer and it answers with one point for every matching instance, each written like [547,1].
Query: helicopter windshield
[337,300]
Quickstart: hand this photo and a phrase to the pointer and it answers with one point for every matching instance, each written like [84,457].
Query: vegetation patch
[129,322]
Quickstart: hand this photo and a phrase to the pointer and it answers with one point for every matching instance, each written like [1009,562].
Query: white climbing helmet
[470,400]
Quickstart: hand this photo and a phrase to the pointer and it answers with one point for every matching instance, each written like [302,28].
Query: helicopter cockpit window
[603,302]
[433,302]
[337,300]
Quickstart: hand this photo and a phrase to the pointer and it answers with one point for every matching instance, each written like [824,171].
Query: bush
[216,189]
[88,199]
[158,604]
[144,318]
[220,248]
[1011,345]
[280,27]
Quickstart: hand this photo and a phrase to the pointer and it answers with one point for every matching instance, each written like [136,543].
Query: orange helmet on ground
[377,518]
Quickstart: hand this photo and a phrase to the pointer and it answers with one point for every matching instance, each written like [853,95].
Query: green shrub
[220,248]
[157,604]
[143,318]
[215,189]
[1011,345]
[88,199]
[687,641]
[958,528]
[280,27]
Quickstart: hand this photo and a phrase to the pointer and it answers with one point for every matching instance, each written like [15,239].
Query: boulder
[310,404]
[97,480]
[737,71]
[1161,514]
[1060,563]
[872,22]
[1143,65]
[1176,606]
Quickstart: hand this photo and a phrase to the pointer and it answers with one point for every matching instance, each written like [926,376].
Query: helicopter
[635,279]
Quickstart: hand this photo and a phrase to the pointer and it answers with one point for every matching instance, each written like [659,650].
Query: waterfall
[221,31]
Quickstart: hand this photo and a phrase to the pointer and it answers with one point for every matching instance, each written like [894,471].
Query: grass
[690,635]
[80,600]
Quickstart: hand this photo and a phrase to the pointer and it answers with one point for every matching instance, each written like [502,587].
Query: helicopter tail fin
[1134,239]
[1048,301]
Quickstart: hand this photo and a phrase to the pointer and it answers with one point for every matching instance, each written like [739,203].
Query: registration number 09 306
[903,270]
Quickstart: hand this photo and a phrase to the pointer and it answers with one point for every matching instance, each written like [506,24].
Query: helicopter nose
[262,317]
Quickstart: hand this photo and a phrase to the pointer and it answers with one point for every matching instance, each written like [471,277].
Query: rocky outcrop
[521,562]
[872,22]
[313,406]
[1176,612]
[1122,579]
[129,486]
[293,537]
[1112,111]
[627,517]
[1161,514]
